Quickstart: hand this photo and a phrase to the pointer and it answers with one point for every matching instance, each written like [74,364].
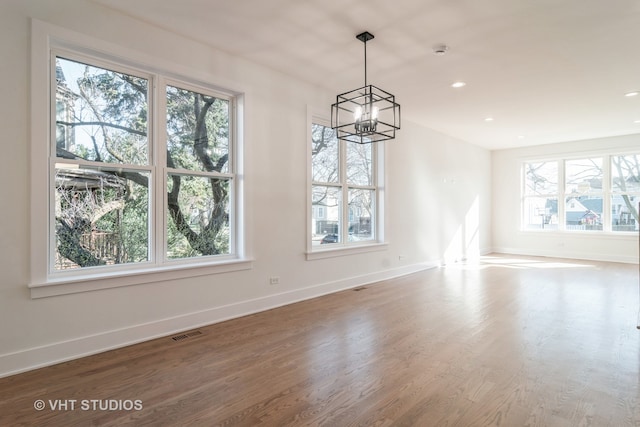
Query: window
[344,191]
[599,193]
[141,173]
[105,169]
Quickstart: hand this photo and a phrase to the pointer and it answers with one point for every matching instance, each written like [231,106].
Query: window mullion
[326,184]
[205,174]
[562,196]
[361,187]
[158,144]
[378,207]
[344,215]
[606,193]
[51,171]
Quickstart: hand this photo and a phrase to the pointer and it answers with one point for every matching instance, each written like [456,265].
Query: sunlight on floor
[506,261]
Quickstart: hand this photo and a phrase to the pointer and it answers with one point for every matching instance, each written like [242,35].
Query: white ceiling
[545,70]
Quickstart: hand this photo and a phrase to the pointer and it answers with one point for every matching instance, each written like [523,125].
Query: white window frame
[49,40]
[314,116]
[562,194]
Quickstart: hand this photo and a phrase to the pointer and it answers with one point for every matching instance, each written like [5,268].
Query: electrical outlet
[275,280]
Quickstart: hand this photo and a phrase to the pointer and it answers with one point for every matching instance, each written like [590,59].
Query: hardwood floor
[509,341]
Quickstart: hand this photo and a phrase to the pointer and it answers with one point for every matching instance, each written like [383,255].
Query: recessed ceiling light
[520,136]
[636,121]
[488,119]
[630,94]
[458,84]
[440,49]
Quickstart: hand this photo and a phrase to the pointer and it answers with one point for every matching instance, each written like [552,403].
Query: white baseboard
[587,256]
[51,354]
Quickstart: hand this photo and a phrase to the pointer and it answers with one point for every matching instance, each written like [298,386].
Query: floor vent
[187,335]
[361,288]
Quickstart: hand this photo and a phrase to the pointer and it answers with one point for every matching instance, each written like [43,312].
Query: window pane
[359,166]
[583,188]
[361,214]
[540,213]
[625,173]
[100,217]
[583,176]
[101,115]
[541,178]
[326,212]
[198,211]
[324,154]
[197,131]
[583,213]
[625,177]
[624,213]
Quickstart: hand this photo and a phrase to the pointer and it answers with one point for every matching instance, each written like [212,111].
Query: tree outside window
[107,169]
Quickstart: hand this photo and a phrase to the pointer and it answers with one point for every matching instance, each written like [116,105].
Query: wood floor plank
[506,341]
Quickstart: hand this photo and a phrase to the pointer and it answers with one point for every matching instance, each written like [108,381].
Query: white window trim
[45,38]
[607,192]
[346,248]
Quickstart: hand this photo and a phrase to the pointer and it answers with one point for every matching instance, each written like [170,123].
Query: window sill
[621,235]
[332,251]
[87,283]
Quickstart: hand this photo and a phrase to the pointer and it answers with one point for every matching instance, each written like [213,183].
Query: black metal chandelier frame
[367,114]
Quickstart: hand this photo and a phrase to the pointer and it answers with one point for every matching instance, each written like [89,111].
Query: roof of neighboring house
[594,205]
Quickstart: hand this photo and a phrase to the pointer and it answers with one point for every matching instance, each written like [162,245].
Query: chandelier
[368,114]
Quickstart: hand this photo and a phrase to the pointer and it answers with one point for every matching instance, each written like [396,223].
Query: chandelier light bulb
[357,115]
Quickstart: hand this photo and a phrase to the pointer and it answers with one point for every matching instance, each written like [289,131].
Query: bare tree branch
[101,123]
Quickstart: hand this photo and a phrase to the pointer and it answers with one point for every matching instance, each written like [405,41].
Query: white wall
[440,196]
[438,203]
[507,236]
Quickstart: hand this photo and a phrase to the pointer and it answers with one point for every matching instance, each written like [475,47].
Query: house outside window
[583,194]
